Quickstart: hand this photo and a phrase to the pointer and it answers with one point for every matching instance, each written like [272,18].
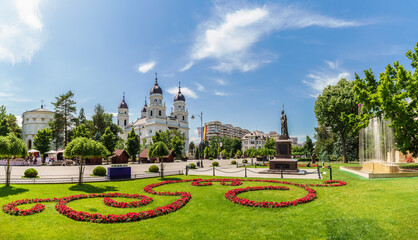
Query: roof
[118,152]
[123,103]
[179,97]
[40,110]
[156,89]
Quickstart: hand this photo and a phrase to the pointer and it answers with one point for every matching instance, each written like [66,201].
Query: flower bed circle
[62,208]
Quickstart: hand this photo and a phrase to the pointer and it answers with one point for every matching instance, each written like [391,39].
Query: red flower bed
[61,206]
[305,165]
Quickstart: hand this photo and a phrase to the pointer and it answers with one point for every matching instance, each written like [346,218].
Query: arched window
[29,144]
[118,122]
[159,112]
[183,118]
[125,122]
[151,113]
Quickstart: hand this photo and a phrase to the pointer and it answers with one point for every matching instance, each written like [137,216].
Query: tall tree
[177,146]
[270,143]
[333,107]
[133,144]
[64,116]
[308,147]
[100,119]
[84,148]
[159,150]
[42,141]
[109,140]
[11,146]
[8,123]
[395,96]
[81,119]
[191,147]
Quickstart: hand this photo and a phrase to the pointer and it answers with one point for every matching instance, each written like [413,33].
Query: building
[154,118]
[254,139]
[217,129]
[294,140]
[34,120]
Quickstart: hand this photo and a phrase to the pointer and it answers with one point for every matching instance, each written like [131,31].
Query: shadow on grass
[169,179]
[88,188]
[354,228]
[7,191]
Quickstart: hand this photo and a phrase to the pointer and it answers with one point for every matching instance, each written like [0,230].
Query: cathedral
[154,117]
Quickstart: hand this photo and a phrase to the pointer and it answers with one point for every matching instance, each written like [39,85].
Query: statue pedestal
[283,160]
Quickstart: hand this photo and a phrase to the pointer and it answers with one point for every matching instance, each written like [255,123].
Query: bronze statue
[283,120]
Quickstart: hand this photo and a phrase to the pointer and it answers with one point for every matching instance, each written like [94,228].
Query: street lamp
[201,135]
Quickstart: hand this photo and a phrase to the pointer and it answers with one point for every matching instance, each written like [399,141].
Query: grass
[364,209]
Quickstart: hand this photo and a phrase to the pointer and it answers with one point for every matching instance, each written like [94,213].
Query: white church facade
[154,117]
[34,120]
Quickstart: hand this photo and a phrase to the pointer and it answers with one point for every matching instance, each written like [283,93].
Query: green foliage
[336,108]
[81,119]
[192,165]
[153,168]
[177,146]
[206,152]
[211,158]
[99,171]
[197,153]
[233,162]
[158,149]
[270,143]
[250,152]
[409,166]
[167,138]
[245,161]
[42,141]
[324,156]
[109,140]
[239,152]
[133,144]
[308,147]
[224,153]
[31,173]
[215,164]
[85,148]
[63,118]
[8,123]
[11,146]
[395,96]
[191,146]
[81,131]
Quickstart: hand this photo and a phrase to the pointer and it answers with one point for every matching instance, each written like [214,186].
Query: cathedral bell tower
[180,111]
[123,114]
[156,108]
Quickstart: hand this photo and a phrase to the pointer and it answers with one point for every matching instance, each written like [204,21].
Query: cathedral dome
[123,103]
[156,89]
[179,96]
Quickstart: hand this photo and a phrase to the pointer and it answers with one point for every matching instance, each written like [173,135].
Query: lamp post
[201,136]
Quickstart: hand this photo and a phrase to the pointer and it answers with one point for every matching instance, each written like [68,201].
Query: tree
[133,144]
[270,143]
[336,108]
[100,119]
[42,141]
[394,97]
[109,140]
[11,146]
[191,147]
[81,117]
[177,146]
[239,153]
[197,153]
[325,140]
[308,146]
[81,131]
[159,150]
[63,118]
[8,123]
[84,148]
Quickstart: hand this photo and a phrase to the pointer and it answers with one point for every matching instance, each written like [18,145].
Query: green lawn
[363,209]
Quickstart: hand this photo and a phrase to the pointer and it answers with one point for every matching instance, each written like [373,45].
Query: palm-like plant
[159,150]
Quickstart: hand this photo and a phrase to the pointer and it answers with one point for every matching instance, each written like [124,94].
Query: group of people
[33,160]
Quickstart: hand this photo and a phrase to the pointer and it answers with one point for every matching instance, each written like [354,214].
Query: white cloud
[187,66]
[20,30]
[200,87]
[219,93]
[19,120]
[145,67]
[184,90]
[321,78]
[229,36]
[9,92]
[220,81]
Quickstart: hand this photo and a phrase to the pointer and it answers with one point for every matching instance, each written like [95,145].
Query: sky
[238,62]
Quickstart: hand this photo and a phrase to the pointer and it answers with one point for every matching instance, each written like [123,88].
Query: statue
[283,120]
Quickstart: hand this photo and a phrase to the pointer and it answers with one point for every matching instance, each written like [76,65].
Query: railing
[86,179]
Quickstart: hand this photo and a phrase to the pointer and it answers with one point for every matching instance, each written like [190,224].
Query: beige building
[217,129]
[32,121]
[254,139]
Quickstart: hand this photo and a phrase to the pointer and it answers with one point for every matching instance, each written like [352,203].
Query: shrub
[404,166]
[245,161]
[192,165]
[227,157]
[99,171]
[233,162]
[215,164]
[31,173]
[211,158]
[234,157]
[153,168]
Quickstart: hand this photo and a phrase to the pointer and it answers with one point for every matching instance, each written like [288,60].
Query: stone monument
[283,161]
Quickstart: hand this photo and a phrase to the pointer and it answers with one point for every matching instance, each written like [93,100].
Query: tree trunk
[343,147]
[80,177]
[8,173]
[162,167]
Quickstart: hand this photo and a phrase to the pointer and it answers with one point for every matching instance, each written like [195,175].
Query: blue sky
[238,61]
